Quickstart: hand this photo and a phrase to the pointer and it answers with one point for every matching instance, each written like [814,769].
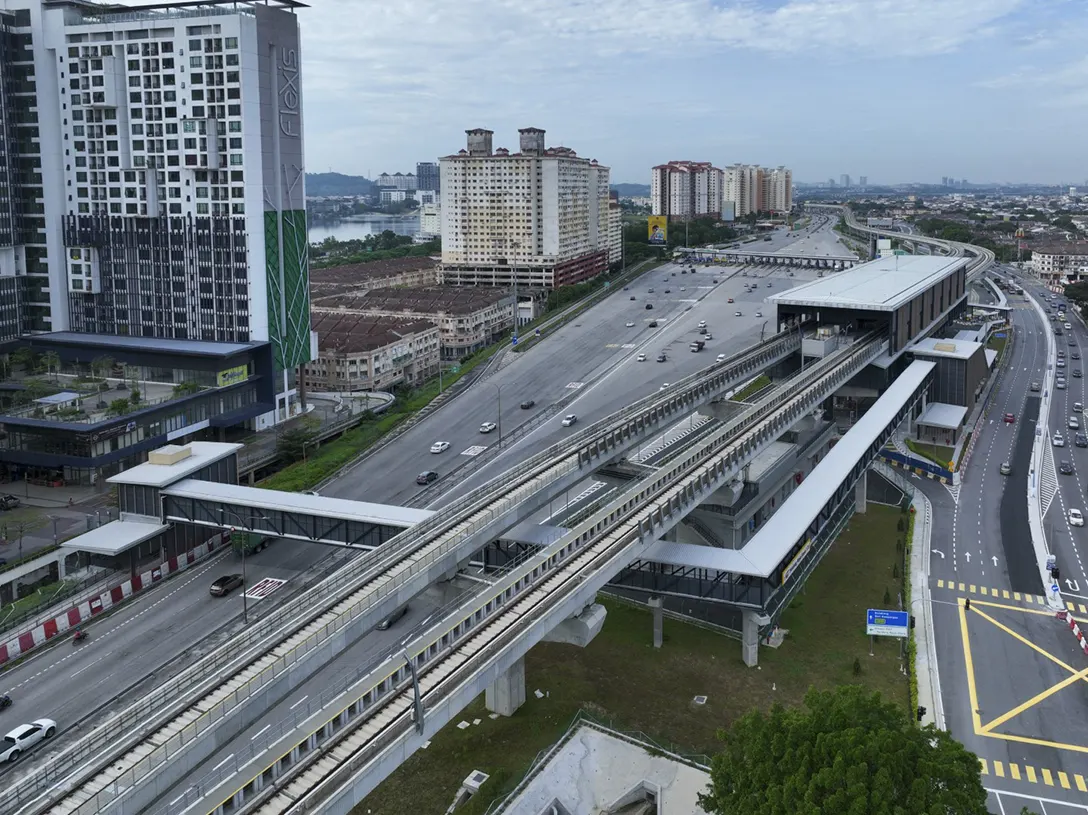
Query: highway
[179,621]
[999,658]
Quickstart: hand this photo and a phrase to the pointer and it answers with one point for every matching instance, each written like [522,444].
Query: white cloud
[1062,86]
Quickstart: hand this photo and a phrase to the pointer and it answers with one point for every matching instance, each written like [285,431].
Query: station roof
[944,416]
[766,550]
[115,537]
[202,453]
[883,284]
[947,349]
[104,342]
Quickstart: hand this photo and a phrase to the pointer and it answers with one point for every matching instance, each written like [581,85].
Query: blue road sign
[880,623]
[514,340]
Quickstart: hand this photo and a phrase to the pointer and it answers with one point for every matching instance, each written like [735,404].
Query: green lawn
[937,453]
[622,679]
[756,385]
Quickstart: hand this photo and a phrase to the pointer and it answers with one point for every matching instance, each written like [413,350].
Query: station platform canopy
[883,284]
[942,416]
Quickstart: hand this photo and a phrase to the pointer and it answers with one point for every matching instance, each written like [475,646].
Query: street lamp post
[498,393]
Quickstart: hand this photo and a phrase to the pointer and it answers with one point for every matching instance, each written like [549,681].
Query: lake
[359,228]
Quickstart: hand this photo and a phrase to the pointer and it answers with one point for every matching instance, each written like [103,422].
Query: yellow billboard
[232,376]
[658,228]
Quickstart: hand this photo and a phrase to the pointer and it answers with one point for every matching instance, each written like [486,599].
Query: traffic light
[921,712]
[912,621]
[1056,573]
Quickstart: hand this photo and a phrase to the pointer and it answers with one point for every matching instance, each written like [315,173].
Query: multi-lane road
[594,357]
[1011,673]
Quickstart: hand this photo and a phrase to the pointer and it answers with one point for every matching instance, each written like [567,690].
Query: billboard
[729,211]
[658,230]
[232,376]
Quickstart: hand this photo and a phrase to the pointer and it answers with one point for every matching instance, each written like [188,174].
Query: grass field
[621,678]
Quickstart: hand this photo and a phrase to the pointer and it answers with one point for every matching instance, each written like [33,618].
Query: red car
[730,300]
[1009,418]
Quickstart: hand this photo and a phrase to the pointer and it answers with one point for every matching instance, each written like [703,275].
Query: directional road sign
[880,623]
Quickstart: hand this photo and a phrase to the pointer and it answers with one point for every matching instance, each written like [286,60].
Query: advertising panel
[658,229]
[232,376]
[729,211]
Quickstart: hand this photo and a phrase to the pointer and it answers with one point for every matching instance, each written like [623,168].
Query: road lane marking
[221,763]
[259,732]
[971,690]
[300,701]
[85,667]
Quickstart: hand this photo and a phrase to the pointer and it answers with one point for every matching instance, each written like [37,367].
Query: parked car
[225,584]
[487,427]
[569,419]
[528,403]
[426,477]
[24,737]
[8,502]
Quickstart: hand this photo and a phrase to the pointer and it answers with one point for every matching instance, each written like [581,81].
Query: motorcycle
[79,637]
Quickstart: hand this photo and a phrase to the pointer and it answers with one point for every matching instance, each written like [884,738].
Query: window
[196,62]
[194,45]
[201,209]
[175,209]
[137,130]
[238,209]
[234,127]
[236,143]
[230,42]
[234,110]
[235,159]
[198,111]
[197,79]
[232,59]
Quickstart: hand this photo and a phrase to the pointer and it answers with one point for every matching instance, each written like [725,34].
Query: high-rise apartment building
[743,185]
[427,177]
[778,190]
[863,181]
[397,181]
[152,191]
[845,179]
[683,190]
[539,216]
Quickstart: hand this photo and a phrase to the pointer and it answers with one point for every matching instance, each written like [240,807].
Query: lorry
[697,345]
[247,543]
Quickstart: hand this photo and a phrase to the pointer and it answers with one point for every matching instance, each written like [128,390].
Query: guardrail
[146,716]
[623,522]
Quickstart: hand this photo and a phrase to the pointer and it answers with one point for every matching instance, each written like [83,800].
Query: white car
[1068,326]
[22,738]
[630,325]
[736,314]
[440,447]
[569,419]
[640,358]
[664,387]
[487,427]
[1059,440]
[1076,518]
[720,358]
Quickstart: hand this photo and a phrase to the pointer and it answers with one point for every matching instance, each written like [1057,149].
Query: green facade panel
[288,287]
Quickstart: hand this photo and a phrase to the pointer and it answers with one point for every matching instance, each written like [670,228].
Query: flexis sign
[289,93]
[232,376]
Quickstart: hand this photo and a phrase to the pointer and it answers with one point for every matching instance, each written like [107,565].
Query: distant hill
[318,184]
[632,190]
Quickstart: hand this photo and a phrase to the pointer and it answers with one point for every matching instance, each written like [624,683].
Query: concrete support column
[507,693]
[657,606]
[749,641]
[859,493]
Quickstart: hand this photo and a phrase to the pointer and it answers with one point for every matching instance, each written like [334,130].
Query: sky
[896,90]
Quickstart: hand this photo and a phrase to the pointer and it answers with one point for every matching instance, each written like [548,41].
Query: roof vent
[169,455]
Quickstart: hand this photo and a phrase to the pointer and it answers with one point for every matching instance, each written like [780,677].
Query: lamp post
[498,393]
[54,519]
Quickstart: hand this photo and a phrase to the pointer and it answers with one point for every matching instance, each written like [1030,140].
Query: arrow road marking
[995,561]
[1072,584]
[938,552]
[968,556]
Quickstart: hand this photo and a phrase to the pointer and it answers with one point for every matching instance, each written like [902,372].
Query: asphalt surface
[150,638]
[1000,657]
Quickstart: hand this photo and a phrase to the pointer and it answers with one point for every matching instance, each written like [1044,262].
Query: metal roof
[115,537]
[319,505]
[948,349]
[944,416]
[203,453]
[168,346]
[766,550]
[879,285]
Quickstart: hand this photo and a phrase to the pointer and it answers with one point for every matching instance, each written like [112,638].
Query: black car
[1076,373]
[426,477]
[225,584]
[1065,468]
[1075,355]
[661,358]
[632,297]
[649,306]
[528,403]
[653,323]
[1080,440]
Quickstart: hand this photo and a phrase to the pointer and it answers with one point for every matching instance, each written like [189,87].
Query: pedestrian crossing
[1025,772]
[1005,594]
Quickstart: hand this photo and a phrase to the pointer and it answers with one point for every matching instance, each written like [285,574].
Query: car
[653,323]
[736,314]
[702,323]
[649,306]
[1060,384]
[708,336]
[668,291]
[487,427]
[1061,354]
[9,502]
[720,358]
[1078,407]
[759,313]
[528,403]
[650,290]
[1006,468]
[392,618]
[664,387]
[630,324]
[1075,355]
[770,285]
[569,419]
[1072,341]
[715,280]
[683,288]
[1081,440]
[730,300]
[1060,363]
[1074,423]
[661,357]
[1076,373]
[1058,440]
[225,584]
[1076,518]
[440,447]
[632,297]
[25,736]
[1065,467]
[1010,418]
[426,477]
[1067,326]
[640,358]
[626,288]
[1036,387]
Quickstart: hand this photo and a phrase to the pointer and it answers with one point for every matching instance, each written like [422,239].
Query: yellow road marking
[1031,774]
[999,769]
[1048,779]
[1014,770]
[1063,779]
[971,691]
[1079,780]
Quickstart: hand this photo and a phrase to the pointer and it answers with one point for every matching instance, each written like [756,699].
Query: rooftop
[942,415]
[339,279]
[949,349]
[201,454]
[105,342]
[115,537]
[423,300]
[879,285]
[1061,248]
[355,333]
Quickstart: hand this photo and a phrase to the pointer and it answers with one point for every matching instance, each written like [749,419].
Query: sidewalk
[39,523]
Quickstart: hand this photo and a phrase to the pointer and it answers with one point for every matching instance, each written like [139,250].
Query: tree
[25,358]
[845,751]
[293,443]
[102,367]
[51,361]
[1077,292]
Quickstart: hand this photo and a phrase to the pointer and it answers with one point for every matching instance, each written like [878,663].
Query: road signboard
[879,623]
[514,340]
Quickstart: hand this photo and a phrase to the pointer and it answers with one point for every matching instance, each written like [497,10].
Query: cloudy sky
[898,90]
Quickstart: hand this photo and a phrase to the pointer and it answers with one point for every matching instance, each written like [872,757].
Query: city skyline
[822,103]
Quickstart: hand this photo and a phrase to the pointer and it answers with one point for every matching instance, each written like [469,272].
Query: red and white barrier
[1075,628]
[93,606]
